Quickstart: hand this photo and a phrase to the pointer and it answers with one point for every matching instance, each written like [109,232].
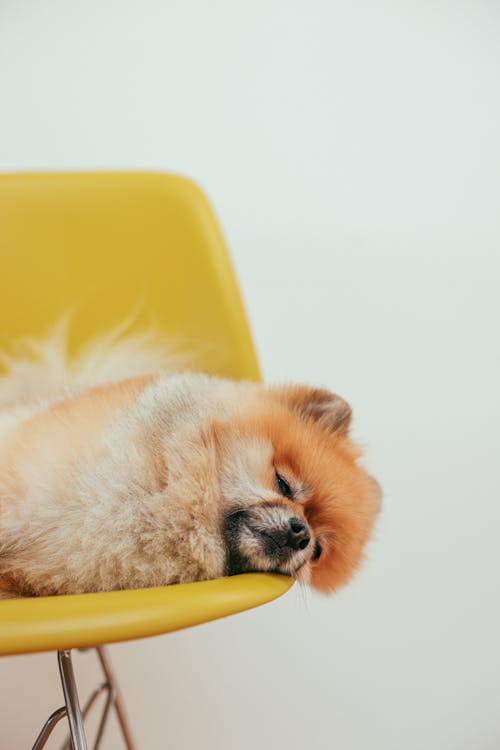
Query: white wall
[352,153]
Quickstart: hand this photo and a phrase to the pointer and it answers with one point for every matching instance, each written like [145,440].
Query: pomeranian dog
[111,478]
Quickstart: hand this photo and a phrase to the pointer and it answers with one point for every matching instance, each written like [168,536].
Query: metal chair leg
[71,698]
[103,688]
[48,727]
[104,717]
[77,740]
[113,698]
[117,699]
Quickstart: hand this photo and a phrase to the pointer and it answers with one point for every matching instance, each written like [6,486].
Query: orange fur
[340,500]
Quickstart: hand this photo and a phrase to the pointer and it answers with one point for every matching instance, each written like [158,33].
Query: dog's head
[296,500]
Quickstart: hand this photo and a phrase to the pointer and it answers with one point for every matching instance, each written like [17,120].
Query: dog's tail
[43,369]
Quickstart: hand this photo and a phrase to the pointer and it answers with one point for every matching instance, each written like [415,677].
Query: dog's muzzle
[264,537]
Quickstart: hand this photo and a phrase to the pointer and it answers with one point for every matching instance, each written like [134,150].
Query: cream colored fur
[42,368]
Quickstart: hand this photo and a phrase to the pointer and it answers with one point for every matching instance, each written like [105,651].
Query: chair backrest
[103,245]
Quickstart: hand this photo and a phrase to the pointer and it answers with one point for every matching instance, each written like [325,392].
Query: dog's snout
[283,536]
[298,534]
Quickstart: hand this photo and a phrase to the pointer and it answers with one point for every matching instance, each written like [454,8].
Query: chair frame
[76,716]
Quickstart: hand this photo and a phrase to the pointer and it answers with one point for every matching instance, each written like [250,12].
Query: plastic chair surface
[103,246]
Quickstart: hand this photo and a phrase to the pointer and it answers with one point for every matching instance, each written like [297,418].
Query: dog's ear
[326,408]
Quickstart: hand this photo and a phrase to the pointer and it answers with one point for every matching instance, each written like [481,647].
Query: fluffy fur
[116,473]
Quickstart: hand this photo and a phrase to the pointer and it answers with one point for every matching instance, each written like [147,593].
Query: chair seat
[85,620]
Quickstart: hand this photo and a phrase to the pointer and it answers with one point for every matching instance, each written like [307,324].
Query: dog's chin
[253,549]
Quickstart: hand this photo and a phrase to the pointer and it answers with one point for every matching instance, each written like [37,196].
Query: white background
[351,150]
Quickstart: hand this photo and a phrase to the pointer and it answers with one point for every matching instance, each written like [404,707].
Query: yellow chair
[101,245]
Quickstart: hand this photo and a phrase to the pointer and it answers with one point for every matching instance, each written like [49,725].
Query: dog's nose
[298,534]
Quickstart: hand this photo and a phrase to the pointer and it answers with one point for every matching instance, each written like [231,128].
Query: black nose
[298,534]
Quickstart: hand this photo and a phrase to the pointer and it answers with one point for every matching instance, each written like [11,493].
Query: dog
[116,472]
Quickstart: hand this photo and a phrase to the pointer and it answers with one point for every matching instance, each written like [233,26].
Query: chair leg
[77,740]
[113,698]
[104,688]
[71,698]
[117,699]
[49,725]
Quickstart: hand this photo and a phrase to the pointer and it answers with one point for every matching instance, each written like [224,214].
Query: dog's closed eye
[318,549]
[283,486]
